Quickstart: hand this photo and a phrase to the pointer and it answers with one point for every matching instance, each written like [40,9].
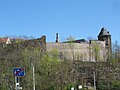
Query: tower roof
[104,32]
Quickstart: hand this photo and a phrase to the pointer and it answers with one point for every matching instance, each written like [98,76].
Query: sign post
[18,72]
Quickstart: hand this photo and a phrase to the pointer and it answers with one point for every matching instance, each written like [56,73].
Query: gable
[5,40]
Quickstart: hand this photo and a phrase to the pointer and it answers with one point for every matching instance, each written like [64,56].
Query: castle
[91,51]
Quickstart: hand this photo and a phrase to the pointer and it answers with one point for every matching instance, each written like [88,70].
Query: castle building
[90,51]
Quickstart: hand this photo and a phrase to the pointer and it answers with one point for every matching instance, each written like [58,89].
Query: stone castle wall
[78,51]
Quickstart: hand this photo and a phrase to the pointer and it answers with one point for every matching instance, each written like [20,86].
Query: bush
[114,85]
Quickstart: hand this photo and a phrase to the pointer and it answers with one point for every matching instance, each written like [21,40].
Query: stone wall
[77,51]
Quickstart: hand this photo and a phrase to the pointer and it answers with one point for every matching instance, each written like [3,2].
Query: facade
[90,51]
[4,41]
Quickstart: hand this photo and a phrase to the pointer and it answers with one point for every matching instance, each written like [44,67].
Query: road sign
[19,71]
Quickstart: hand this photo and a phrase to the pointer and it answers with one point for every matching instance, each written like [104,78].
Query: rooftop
[104,32]
[3,40]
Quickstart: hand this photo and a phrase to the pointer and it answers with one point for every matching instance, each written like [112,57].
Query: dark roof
[80,40]
[76,41]
[104,32]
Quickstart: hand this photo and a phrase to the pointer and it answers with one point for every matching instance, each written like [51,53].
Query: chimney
[56,38]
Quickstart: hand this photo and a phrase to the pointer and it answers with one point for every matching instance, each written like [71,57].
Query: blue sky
[77,18]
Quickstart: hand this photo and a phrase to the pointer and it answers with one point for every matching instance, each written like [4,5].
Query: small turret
[104,35]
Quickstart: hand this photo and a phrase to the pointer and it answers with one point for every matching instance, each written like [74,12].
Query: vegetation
[53,73]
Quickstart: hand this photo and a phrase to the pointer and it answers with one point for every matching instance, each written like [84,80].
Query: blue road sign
[19,71]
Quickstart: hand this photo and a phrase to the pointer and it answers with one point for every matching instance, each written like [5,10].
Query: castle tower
[104,35]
